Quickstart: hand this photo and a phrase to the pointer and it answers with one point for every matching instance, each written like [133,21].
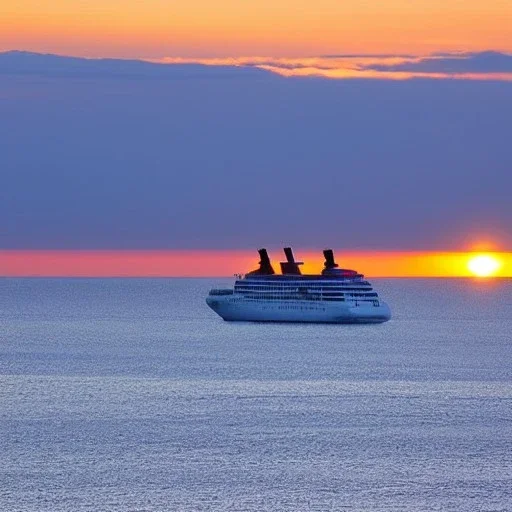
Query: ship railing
[359,302]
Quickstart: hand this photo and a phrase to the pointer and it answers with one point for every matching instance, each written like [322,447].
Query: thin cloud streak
[456,66]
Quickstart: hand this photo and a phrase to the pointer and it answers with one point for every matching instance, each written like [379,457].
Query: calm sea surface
[131,395]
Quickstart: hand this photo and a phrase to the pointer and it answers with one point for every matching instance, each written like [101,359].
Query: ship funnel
[290,266]
[265,265]
[329,263]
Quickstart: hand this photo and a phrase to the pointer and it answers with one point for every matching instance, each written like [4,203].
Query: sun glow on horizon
[484,265]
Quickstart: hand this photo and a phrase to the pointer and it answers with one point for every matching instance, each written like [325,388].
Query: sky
[232,28]
[380,129]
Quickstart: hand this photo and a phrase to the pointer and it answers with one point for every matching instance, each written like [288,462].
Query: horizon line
[468,277]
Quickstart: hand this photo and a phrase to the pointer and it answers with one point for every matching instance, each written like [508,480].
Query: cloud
[27,63]
[484,62]
[487,65]
[123,162]
[468,66]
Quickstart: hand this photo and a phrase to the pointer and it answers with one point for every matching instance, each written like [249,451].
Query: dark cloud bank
[483,62]
[125,154]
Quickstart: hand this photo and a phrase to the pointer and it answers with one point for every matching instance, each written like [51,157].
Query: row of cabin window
[309,288]
[311,297]
[299,294]
[306,292]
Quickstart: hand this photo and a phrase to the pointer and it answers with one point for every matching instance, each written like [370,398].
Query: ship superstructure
[336,295]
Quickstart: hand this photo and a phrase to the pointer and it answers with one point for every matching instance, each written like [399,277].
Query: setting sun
[484,265]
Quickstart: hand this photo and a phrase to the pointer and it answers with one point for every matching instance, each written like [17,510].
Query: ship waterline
[334,296]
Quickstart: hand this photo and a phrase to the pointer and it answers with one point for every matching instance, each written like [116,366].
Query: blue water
[131,395]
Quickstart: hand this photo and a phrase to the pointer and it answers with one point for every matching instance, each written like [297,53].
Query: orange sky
[159,28]
[226,263]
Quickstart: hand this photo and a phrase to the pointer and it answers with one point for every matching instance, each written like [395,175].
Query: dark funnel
[329,263]
[290,267]
[265,265]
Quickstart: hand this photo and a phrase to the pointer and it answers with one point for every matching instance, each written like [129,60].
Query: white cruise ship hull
[237,308]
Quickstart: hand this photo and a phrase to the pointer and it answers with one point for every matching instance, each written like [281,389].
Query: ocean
[132,395]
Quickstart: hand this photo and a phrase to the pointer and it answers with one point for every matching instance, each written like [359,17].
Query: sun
[484,265]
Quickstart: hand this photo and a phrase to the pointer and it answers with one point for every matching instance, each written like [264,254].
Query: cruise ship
[336,295]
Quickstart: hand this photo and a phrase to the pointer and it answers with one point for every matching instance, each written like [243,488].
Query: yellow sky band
[226,263]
